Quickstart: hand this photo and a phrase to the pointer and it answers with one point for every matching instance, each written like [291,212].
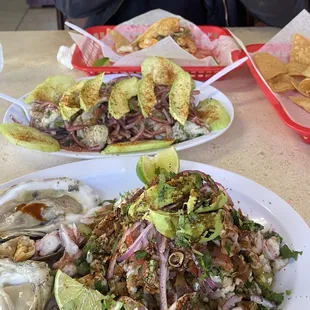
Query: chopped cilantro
[205,262]
[288,292]
[228,248]
[271,233]
[286,252]
[168,174]
[182,239]
[244,223]
[163,187]
[193,217]
[141,254]
[272,296]
[198,180]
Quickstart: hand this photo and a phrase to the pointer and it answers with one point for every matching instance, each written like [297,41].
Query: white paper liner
[221,47]
[280,46]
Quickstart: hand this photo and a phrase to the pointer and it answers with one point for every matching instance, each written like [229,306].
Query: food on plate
[50,89]
[126,114]
[177,243]
[295,75]
[71,294]
[302,102]
[161,29]
[28,137]
[212,113]
[163,70]
[36,207]
[167,160]
[25,285]
[137,146]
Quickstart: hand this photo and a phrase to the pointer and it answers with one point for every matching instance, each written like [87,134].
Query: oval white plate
[111,176]
[17,112]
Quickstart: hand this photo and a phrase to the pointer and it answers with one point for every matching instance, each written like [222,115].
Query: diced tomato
[129,240]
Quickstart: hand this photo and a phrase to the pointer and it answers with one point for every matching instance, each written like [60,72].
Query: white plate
[18,113]
[112,176]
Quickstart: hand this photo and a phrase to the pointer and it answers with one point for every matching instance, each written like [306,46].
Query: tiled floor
[15,15]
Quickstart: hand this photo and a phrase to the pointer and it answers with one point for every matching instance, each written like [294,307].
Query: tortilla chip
[119,40]
[302,86]
[300,51]
[281,83]
[306,72]
[302,102]
[295,68]
[269,65]
[163,27]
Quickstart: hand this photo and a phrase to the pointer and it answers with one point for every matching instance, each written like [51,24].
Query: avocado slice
[213,114]
[89,96]
[29,137]
[163,71]
[146,95]
[69,103]
[51,89]
[137,146]
[173,190]
[179,97]
[164,222]
[121,93]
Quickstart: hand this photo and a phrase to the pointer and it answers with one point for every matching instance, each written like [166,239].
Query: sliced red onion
[167,115]
[136,246]
[112,263]
[207,284]
[231,302]
[262,301]
[140,132]
[133,122]
[12,117]
[164,273]
[159,120]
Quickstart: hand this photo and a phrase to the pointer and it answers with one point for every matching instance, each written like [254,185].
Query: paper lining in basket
[221,47]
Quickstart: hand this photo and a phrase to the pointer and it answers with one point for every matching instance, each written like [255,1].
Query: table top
[258,145]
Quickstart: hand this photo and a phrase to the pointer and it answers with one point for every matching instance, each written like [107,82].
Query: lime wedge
[70,294]
[165,161]
[168,160]
[101,62]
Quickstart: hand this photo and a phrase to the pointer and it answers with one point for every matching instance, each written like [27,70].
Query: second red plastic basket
[304,132]
[198,73]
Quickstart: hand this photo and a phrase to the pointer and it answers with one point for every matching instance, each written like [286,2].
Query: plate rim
[188,144]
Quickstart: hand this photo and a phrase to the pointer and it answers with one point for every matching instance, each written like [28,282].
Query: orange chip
[281,83]
[300,51]
[302,102]
[269,65]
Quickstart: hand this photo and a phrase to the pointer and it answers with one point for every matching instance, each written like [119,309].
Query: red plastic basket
[198,73]
[304,132]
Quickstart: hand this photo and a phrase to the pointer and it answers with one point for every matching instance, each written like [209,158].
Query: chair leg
[60,20]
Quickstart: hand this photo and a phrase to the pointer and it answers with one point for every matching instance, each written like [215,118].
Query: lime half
[70,294]
[165,161]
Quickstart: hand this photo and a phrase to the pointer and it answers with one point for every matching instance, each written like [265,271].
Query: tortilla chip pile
[294,76]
